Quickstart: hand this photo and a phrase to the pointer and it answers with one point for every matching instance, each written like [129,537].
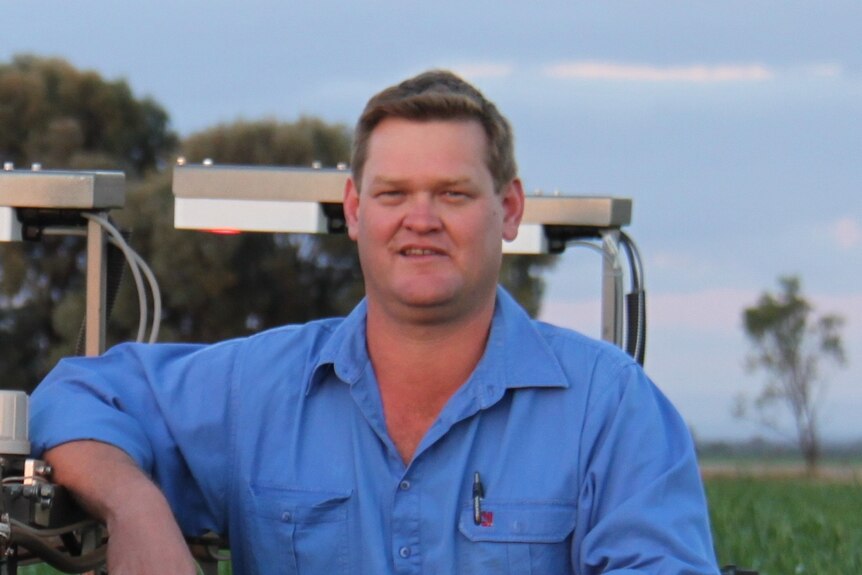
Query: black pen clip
[478,494]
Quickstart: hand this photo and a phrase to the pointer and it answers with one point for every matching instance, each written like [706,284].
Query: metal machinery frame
[33,200]
[308,200]
[34,514]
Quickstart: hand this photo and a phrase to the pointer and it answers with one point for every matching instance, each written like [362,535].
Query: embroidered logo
[487,519]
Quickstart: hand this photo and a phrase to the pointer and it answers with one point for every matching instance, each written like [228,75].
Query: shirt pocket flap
[290,505]
[519,522]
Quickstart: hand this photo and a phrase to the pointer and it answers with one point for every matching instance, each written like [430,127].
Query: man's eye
[455,194]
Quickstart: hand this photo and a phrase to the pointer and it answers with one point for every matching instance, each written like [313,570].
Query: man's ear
[351,208]
[513,208]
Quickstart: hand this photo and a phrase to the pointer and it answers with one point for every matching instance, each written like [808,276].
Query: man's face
[428,222]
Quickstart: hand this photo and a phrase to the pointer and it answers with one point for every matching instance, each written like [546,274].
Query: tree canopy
[217,286]
[61,117]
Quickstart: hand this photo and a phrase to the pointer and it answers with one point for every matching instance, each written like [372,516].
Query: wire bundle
[140,271]
[137,265]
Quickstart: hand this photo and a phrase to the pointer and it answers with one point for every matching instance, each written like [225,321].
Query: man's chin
[438,306]
[428,301]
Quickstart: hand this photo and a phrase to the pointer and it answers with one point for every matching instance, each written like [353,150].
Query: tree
[62,117]
[790,344]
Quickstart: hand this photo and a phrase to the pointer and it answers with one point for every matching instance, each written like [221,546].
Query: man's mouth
[419,252]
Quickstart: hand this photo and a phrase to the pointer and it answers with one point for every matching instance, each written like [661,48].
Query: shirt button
[286,516]
[404,485]
[404,552]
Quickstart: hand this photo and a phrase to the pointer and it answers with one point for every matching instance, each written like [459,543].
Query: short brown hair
[438,95]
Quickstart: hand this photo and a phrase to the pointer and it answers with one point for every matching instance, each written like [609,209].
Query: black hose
[635,303]
[636,325]
[30,539]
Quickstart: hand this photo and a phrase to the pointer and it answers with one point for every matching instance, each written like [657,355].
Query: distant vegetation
[759,449]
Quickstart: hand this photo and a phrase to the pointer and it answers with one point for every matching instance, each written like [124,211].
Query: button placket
[406,523]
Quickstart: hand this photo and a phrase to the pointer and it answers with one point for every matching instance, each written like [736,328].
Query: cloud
[675,261]
[846,232]
[698,73]
[828,70]
[481,70]
[717,310]
[711,310]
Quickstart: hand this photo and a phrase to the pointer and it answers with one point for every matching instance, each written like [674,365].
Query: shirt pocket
[517,537]
[301,530]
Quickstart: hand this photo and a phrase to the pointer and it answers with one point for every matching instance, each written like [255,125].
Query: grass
[787,526]
[776,525]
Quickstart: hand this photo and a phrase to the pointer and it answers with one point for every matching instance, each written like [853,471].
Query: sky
[735,127]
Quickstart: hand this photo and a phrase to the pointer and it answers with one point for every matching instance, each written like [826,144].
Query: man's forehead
[399,135]
[438,151]
[426,125]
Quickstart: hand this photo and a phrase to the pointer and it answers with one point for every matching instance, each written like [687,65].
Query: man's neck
[419,366]
[417,347]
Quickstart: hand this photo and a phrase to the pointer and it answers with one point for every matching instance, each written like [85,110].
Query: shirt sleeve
[642,507]
[166,405]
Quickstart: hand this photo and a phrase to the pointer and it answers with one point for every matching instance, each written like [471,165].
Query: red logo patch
[487,519]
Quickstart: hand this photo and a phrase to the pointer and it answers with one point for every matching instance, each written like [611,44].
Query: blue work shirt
[279,441]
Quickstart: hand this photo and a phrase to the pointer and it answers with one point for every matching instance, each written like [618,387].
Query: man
[437,429]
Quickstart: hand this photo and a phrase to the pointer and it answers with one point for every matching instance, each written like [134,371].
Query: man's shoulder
[306,338]
[547,347]
[572,343]
[573,339]
[586,359]
[274,345]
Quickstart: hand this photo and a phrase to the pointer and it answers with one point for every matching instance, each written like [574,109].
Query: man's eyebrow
[443,182]
[384,181]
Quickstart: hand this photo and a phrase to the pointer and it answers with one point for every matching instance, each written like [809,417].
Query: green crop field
[776,526]
[787,526]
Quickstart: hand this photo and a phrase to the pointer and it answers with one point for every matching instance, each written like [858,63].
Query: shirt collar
[516,355]
[345,351]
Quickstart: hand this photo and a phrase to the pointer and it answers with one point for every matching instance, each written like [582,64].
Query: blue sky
[735,126]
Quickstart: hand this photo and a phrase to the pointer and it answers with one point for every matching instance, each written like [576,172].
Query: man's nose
[422,214]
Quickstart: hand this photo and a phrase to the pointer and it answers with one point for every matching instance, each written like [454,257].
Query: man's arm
[146,402]
[143,535]
[642,505]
